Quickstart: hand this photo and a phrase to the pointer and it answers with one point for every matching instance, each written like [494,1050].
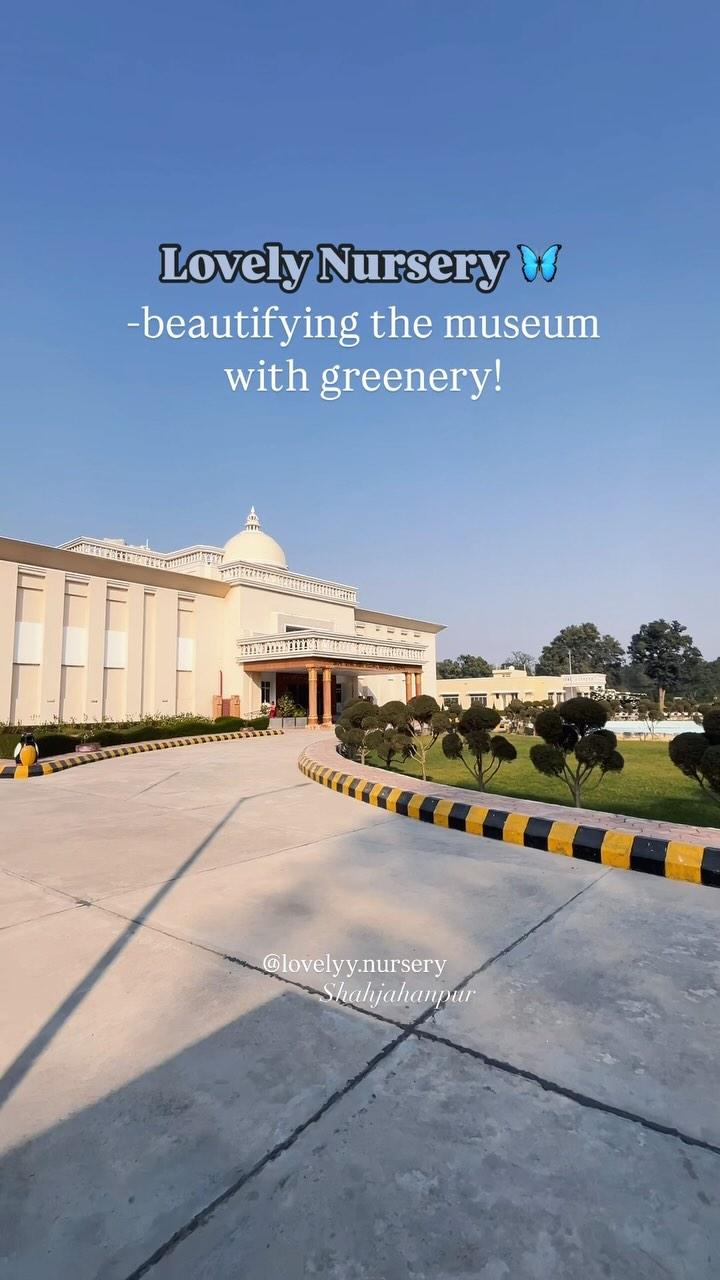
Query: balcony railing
[254,575]
[140,555]
[283,580]
[325,644]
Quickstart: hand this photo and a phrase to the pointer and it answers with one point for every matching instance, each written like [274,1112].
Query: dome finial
[252,523]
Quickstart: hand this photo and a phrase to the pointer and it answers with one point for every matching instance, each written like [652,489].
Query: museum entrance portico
[318,687]
[321,670]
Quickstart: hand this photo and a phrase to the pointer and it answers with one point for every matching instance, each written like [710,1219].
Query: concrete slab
[438,1168]
[619,998]
[168,1075]
[21,901]
[107,855]
[355,901]
[152,1076]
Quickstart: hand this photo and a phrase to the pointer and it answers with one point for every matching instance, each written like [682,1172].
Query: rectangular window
[478,699]
[451,699]
[264,690]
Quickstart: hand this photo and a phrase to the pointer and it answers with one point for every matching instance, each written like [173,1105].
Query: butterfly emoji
[546,265]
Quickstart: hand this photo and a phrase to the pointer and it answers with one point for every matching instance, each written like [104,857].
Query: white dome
[254,546]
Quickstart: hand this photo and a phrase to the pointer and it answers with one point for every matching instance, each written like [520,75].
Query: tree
[426,721]
[522,714]
[706,681]
[666,653]
[471,742]
[359,729]
[395,736]
[631,679]
[519,658]
[448,669]
[650,712]
[697,755]
[590,651]
[465,667]
[576,745]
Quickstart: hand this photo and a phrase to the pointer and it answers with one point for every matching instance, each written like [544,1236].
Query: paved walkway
[173,1110]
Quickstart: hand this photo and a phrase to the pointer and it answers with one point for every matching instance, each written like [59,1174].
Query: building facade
[509,684]
[98,630]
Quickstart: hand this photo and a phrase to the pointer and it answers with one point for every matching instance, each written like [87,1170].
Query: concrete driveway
[171,1109]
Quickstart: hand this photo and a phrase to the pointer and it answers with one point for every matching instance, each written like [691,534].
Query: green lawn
[648,787]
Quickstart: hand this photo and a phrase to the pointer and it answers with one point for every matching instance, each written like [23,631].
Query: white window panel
[185,653]
[115,649]
[28,643]
[75,645]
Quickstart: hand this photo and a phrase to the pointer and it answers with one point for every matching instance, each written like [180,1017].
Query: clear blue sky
[586,490]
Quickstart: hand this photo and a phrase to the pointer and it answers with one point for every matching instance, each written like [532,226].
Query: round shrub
[549,725]
[710,768]
[584,713]
[711,725]
[502,749]
[686,751]
[596,748]
[452,745]
[548,759]
[479,720]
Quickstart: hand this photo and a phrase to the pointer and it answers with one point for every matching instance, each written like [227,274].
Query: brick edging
[674,859]
[45,767]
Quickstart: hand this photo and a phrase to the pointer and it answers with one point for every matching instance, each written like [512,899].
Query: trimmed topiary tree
[359,729]
[426,722]
[576,745]
[395,735]
[471,742]
[697,755]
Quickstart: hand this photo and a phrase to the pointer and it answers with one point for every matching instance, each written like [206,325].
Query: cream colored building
[507,684]
[99,630]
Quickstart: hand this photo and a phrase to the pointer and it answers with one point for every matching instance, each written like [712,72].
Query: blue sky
[585,490]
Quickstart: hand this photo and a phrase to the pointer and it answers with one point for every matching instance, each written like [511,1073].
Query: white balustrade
[318,644]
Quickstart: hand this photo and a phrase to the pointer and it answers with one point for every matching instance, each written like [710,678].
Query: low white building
[509,684]
[99,630]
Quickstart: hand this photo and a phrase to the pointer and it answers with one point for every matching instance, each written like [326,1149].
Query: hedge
[54,744]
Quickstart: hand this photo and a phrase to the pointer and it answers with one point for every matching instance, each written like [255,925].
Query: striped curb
[45,767]
[673,859]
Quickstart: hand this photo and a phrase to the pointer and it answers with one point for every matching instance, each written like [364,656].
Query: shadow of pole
[18,1069]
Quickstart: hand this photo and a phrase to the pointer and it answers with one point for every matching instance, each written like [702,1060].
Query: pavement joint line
[582,1099]
[407,1031]
[175,774]
[415,1028]
[18,924]
[512,945]
[256,795]
[221,866]
[203,1215]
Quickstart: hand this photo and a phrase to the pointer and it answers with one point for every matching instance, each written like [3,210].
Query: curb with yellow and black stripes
[44,767]
[673,859]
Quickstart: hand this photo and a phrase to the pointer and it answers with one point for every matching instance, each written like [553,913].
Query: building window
[451,699]
[478,699]
[264,690]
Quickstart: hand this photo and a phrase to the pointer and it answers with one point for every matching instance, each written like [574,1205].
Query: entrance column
[408,686]
[312,698]
[327,698]
[418,683]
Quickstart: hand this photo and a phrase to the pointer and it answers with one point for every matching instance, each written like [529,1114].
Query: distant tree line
[661,661]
